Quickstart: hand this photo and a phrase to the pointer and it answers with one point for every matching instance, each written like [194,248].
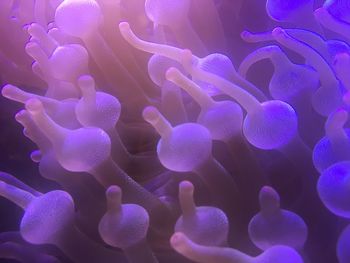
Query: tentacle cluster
[164,128]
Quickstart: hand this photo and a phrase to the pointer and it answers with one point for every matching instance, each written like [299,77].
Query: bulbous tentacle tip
[32,48]
[114,197]
[78,18]
[37,31]
[34,106]
[32,27]
[87,86]
[8,90]
[267,190]
[157,120]
[333,188]
[150,113]
[336,121]
[269,198]
[186,186]
[86,80]
[178,240]
[186,190]
[244,34]
[251,37]
[342,115]
[30,45]
[26,133]
[36,156]
[124,27]
[113,192]
[187,59]
[282,124]
[278,31]
[22,116]
[187,54]
[171,73]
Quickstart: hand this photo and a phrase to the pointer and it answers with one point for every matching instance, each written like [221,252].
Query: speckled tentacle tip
[188,148]
[125,226]
[275,226]
[49,219]
[292,83]
[333,187]
[200,222]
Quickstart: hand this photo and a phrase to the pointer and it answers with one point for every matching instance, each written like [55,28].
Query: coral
[209,131]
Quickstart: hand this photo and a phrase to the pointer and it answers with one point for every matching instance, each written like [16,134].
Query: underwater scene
[175,131]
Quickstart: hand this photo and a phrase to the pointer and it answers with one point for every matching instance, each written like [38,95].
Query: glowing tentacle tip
[199,222]
[333,188]
[274,226]
[123,225]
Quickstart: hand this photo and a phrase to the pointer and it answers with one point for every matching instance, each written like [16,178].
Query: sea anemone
[175,131]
